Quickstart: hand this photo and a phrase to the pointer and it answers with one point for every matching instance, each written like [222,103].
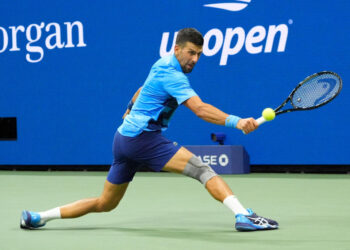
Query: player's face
[188,55]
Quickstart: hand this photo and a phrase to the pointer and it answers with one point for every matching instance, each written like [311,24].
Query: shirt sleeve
[180,89]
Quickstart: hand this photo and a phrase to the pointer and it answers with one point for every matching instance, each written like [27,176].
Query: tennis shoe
[253,222]
[30,220]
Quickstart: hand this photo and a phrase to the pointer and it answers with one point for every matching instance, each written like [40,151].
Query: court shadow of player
[227,235]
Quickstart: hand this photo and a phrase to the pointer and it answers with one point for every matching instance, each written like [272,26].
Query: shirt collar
[175,63]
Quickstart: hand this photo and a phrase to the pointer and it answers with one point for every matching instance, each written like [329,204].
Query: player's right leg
[109,199]
[120,174]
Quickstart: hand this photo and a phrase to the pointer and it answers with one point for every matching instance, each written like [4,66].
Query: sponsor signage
[39,36]
[224,159]
[69,69]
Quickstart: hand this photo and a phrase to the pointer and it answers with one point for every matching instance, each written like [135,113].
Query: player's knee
[198,170]
[106,206]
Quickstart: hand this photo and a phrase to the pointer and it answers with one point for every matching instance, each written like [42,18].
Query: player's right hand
[247,125]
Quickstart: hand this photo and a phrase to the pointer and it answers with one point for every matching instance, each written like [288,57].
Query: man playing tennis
[139,141]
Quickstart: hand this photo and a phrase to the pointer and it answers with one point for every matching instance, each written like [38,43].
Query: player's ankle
[51,214]
[234,205]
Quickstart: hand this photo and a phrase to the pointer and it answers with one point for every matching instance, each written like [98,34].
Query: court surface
[169,211]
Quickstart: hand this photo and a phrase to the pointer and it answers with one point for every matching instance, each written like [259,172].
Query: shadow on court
[228,235]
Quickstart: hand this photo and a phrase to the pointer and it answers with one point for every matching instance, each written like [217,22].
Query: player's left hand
[247,125]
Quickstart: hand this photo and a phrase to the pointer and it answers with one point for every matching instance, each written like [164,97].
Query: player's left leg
[216,186]
[186,163]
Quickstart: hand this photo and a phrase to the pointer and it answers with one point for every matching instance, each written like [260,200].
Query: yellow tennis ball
[268,114]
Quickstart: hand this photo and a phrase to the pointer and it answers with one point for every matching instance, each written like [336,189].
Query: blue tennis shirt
[165,88]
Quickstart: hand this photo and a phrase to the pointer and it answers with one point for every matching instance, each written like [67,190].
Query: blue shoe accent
[30,220]
[250,211]
[253,222]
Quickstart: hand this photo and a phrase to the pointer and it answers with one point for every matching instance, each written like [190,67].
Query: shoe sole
[245,227]
[26,227]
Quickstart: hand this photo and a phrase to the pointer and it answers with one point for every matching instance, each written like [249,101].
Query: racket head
[313,92]
[316,90]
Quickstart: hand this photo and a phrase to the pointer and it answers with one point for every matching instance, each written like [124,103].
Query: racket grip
[260,121]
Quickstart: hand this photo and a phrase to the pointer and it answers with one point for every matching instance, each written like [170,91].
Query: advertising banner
[69,68]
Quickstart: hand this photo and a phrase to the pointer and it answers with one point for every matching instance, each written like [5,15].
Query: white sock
[51,214]
[234,205]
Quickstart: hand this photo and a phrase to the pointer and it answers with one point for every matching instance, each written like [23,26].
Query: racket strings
[316,91]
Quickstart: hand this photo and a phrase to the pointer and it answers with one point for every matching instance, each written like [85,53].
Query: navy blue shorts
[149,149]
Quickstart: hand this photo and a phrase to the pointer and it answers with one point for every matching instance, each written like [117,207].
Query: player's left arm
[214,115]
[132,101]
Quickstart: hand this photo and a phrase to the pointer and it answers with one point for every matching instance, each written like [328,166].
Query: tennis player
[139,140]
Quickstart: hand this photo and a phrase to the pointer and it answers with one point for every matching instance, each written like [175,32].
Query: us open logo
[232,6]
[232,40]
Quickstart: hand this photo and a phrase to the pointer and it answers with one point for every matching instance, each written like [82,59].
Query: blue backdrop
[68,69]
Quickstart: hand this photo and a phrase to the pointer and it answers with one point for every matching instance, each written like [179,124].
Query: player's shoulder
[167,72]
[169,65]
[163,61]
[164,65]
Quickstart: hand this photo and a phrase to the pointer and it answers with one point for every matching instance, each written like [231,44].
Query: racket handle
[260,121]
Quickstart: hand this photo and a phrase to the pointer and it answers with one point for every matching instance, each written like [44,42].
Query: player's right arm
[132,101]
[214,115]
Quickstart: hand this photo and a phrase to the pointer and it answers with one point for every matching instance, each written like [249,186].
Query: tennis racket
[313,92]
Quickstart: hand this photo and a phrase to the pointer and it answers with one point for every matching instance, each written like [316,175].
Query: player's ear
[177,49]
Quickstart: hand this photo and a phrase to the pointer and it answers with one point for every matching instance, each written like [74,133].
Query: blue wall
[69,92]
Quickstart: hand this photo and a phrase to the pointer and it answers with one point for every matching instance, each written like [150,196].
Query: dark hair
[189,35]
